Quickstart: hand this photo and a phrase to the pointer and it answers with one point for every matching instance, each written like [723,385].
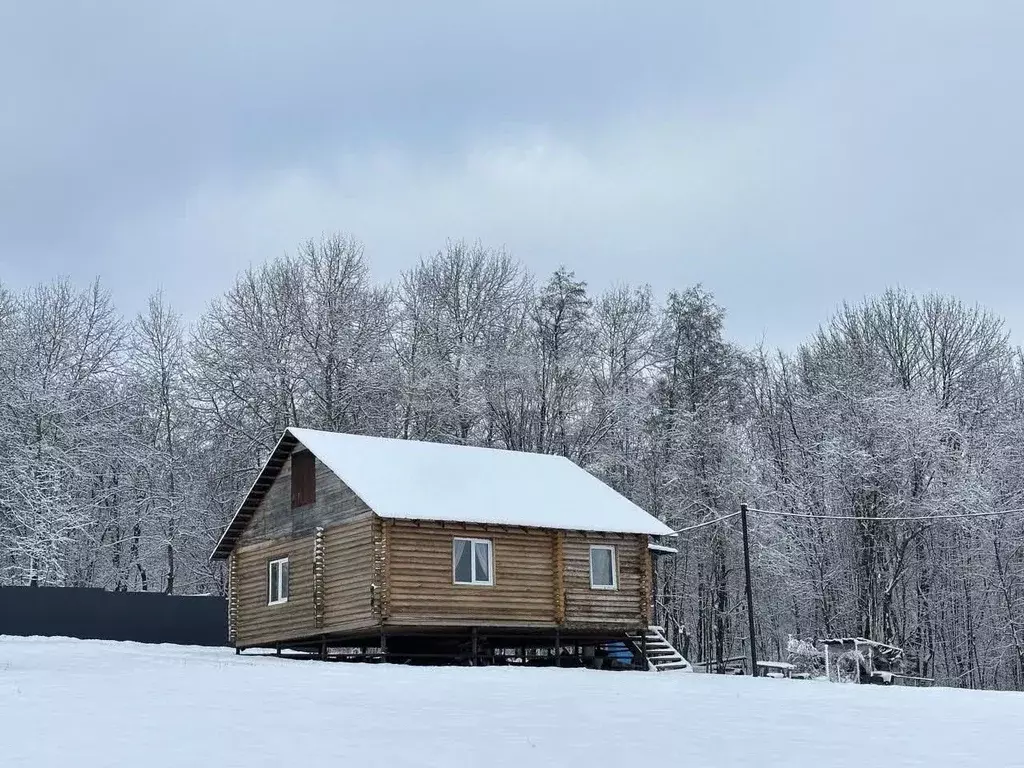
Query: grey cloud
[788,155]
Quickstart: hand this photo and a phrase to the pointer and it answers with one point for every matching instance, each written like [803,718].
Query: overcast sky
[786,155]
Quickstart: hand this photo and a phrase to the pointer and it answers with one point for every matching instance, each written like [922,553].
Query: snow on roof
[663,549]
[413,480]
[776,664]
[858,641]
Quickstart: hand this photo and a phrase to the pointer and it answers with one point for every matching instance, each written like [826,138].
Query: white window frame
[615,567]
[472,553]
[282,586]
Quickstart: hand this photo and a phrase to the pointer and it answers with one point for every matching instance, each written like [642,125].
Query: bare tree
[454,314]
[129,445]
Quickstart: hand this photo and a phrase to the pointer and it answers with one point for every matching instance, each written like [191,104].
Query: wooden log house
[407,550]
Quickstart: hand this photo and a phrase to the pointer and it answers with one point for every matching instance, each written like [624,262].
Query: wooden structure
[730,665]
[444,553]
[859,660]
[779,669]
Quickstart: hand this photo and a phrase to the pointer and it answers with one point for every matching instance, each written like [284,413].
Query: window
[303,479]
[472,562]
[602,568]
[277,581]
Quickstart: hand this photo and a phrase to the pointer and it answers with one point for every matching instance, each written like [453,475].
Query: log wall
[348,570]
[398,573]
[421,591]
[625,606]
[259,623]
[347,563]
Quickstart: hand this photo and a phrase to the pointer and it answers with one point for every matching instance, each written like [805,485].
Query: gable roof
[414,480]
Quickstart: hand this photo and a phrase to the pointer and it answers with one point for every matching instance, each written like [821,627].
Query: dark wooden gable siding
[264,480]
[275,518]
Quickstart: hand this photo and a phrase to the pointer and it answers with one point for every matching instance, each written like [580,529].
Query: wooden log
[559,555]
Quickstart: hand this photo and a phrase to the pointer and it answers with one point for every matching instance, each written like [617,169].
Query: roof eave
[428,518]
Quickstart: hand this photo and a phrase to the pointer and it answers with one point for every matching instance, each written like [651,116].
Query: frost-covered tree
[562,340]
[456,313]
[62,350]
[128,445]
[344,360]
[692,468]
[898,408]
[621,376]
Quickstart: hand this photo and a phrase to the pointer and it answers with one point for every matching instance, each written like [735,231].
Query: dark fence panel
[95,614]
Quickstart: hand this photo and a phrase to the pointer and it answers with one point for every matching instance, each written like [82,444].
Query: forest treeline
[128,442]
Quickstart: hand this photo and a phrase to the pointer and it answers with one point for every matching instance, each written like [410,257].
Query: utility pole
[750,596]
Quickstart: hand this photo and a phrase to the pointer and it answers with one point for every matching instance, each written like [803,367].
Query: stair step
[673,665]
[661,654]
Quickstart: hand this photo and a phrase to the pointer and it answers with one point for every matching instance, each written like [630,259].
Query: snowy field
[93,704]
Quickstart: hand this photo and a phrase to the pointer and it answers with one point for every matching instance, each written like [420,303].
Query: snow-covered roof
[661,548]
[858,641]
[776,664]
[414,480]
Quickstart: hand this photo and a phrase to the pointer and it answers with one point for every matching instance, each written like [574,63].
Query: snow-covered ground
[90,704]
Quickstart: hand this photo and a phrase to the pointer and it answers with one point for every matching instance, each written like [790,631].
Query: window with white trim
[472,562]
[603,567]
[277,581]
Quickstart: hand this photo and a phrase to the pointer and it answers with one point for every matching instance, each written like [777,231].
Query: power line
[899,519]
[708,522]
[806,516]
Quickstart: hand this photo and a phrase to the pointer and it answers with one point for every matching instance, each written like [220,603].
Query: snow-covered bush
[805,658]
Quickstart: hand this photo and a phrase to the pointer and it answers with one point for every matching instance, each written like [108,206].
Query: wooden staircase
[661,654]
